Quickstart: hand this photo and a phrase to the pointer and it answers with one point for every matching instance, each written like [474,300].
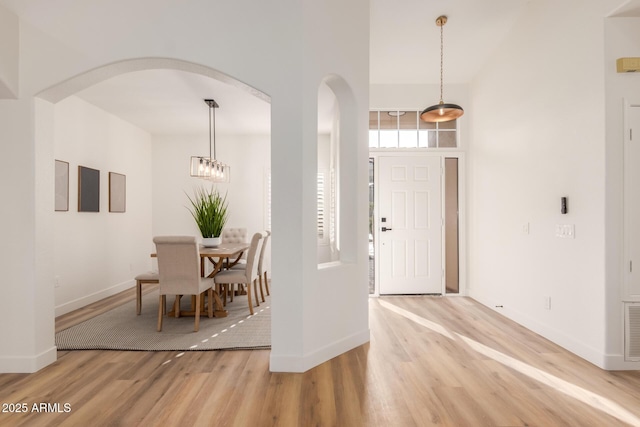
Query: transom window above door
[404,129]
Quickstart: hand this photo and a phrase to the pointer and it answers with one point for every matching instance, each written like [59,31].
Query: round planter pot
[211,242]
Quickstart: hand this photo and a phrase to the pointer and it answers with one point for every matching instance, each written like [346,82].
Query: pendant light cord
[210,108]
[214,133]
[441,58]
[212,113]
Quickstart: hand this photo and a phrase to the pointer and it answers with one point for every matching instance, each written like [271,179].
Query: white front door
[410,225]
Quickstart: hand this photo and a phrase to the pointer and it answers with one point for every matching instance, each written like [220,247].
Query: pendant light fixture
[210,168]
[441,112]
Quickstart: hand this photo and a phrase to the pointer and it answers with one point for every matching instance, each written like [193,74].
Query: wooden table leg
[218,308]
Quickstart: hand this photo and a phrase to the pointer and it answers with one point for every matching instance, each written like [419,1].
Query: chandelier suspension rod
[443,21]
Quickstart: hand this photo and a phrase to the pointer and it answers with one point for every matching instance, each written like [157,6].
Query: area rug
[122,329]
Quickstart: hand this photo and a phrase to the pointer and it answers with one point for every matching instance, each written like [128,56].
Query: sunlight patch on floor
[233,326]
[585,396]
[417,319]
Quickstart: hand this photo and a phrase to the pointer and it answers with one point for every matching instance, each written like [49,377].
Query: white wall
[537,135]
[622,39]
[415,96]
[98,254]
[8,54]
[250,161]
[17,252]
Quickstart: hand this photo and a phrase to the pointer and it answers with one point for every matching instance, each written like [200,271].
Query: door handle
[386,229]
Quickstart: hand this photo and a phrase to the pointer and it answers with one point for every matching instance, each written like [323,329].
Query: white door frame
[462,191]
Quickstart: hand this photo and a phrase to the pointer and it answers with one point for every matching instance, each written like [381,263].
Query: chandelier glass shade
[441,112]
[210,168]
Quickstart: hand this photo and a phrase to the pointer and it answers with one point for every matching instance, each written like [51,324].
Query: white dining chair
[179,274]
[247,276]
[262,266]
[143,279]
[235,235]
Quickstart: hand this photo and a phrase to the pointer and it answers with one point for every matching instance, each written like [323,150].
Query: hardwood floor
[431,361]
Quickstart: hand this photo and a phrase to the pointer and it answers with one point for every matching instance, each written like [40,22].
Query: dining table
[225,255]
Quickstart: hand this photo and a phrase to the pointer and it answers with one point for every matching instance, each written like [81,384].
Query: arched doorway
[45,143]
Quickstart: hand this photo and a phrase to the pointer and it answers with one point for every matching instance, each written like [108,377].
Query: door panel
[421,210]
[399,209]
[410,207]
[421,252]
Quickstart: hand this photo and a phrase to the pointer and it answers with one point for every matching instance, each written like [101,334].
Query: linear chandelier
[210,168]
[441,112]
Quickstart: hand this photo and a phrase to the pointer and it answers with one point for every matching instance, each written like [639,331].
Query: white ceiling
[405,40]
[404,48]
[169,102]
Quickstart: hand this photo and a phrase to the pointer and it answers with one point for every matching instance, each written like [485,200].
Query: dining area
[211,270]
[210,275]
[200,298]
[206,292]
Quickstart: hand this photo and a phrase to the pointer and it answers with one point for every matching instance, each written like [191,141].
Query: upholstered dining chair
[179,274]
[235,235]
[142,279]
[262,266]
[246,276]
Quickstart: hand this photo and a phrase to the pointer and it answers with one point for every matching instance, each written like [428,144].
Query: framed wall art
[61,202]
[88,189]
[117,192]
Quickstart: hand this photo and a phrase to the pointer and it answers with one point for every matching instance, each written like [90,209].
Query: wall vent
[632,332]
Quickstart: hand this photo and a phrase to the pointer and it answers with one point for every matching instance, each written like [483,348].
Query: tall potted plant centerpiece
[210,211]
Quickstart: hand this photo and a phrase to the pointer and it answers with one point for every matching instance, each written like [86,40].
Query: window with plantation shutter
[320,214]
[267,199]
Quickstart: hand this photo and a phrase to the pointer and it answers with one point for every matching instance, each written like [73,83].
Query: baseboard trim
[579,349]
[96,296]
[616,362]
[292,363]
[28,365]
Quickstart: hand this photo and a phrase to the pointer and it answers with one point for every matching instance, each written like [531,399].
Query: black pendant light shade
[441,112]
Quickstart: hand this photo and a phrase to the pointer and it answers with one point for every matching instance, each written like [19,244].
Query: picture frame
[88,189]
[117,192]
[61,198]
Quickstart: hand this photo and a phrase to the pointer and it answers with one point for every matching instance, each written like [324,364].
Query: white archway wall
[283,54]
[346,277]
[75,84]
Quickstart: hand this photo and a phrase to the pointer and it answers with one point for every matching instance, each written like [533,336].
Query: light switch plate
[566,231]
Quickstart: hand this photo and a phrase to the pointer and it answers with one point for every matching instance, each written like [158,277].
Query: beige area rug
[122,329]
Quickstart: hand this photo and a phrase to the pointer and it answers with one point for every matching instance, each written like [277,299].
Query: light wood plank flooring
[431,361]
